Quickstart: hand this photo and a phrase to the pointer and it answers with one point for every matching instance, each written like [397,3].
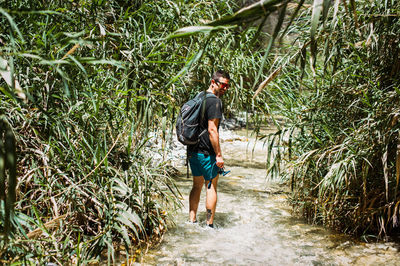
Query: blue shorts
[203,165]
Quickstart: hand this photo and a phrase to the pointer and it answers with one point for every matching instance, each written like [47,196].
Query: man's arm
[214,139]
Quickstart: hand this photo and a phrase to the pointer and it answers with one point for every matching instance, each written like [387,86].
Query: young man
[205,158]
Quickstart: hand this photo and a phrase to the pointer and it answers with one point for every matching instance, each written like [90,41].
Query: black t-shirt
[213,110]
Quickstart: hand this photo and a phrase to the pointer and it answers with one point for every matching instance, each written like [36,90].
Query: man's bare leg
[211,200]
[194,197]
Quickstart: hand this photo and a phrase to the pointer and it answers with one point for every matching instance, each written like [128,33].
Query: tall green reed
[94,75]
[343,151]
[97,80]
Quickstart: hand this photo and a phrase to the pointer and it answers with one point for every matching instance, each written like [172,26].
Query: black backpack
[189,122]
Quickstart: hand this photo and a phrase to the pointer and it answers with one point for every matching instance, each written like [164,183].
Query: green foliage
[341,133]
[340,136]
[84,83]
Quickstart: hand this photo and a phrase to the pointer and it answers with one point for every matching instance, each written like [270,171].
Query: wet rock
[233,123]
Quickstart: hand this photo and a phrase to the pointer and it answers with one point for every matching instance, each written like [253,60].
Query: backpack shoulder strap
[203,106]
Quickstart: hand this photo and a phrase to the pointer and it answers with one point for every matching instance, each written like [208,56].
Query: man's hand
[220,162]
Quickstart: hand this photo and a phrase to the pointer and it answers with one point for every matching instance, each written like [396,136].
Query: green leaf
[271,41]
[186,68]
[12,23]
[326,5]
[125,235]
[191,30]
[294,15]
[121,187]
[127,219]
[316,14]
[252,12]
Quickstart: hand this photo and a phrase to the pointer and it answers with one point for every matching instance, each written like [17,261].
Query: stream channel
[254,224]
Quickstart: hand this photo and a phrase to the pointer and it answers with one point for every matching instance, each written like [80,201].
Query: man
[205,158]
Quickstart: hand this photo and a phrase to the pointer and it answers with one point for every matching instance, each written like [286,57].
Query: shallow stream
[254,225]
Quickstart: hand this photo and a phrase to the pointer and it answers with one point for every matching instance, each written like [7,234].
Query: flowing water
[254,225]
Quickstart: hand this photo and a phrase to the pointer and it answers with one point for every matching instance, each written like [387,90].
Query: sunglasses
[223,85]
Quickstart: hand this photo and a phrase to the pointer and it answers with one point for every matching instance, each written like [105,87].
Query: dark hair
[220,74]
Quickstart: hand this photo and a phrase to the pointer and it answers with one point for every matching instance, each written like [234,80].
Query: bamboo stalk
[49,226]
[274,74]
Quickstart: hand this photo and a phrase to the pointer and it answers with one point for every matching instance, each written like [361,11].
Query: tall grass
[88,81]
[344,153]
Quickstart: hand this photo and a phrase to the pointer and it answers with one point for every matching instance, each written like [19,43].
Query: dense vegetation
[342,127]
[340,140]
[341,111]
[87,89]
[88,86]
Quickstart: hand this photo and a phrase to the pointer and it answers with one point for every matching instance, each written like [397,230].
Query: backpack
[188,123]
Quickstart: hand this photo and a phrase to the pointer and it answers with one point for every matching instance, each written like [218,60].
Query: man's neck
[210,90]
